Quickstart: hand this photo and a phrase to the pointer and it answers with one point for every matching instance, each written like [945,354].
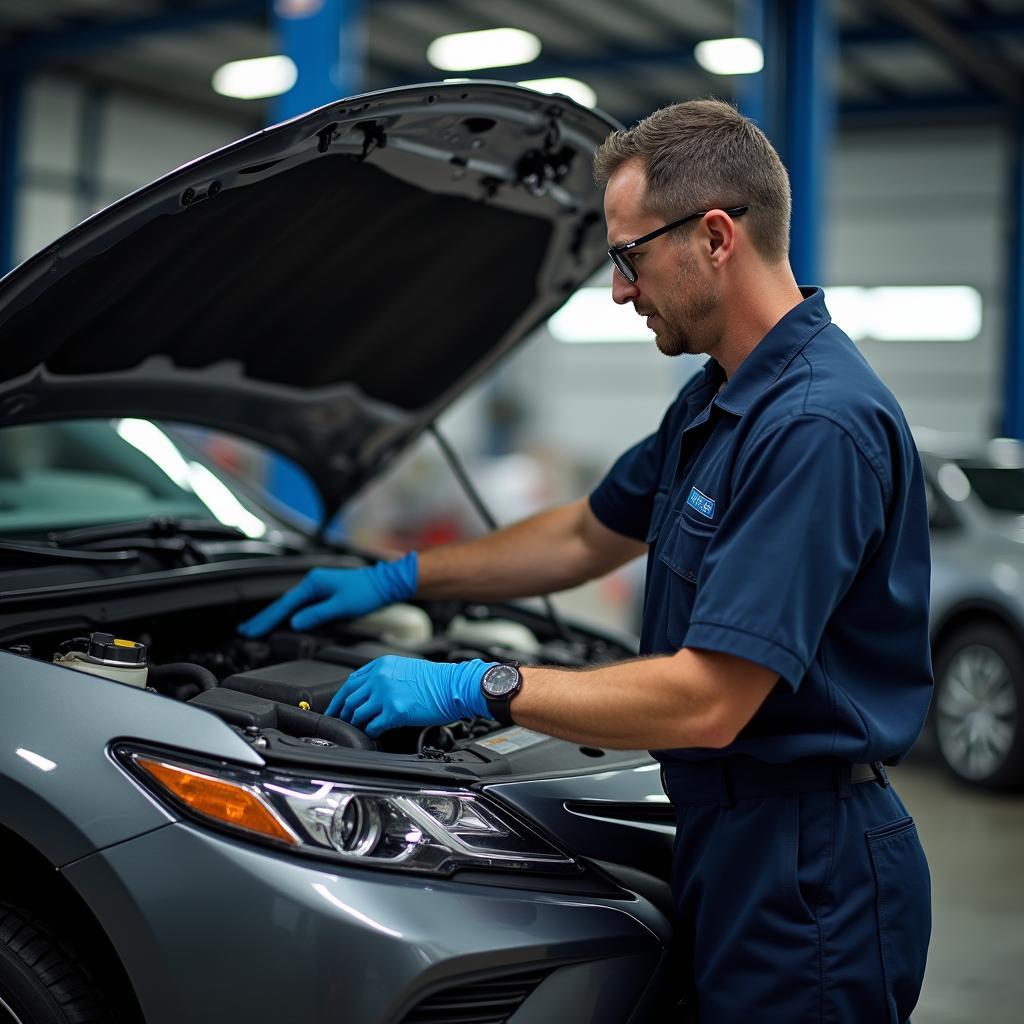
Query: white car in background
[976,516]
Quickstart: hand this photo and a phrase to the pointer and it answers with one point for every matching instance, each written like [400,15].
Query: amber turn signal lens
[229,803]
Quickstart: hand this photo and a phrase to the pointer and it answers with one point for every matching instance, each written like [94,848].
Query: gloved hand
[391,691]
[325,594]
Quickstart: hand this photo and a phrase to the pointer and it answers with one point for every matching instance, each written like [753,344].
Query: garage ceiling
[938,59]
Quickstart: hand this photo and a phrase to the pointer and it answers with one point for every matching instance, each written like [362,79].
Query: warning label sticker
[512,739]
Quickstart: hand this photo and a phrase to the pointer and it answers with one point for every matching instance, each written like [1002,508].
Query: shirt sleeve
[624,499]
[806,512]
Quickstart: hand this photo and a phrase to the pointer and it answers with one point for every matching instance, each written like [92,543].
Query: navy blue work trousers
[800,896]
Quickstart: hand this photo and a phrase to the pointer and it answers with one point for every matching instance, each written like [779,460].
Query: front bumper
[212,929]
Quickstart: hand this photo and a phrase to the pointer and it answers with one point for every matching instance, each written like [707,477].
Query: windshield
[56,476]
[1000,488]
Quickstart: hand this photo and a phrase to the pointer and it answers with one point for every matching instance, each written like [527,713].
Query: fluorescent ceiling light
[571,87]
[915,313]
[492,48]
[735,56]
[257,78]
[590,315]
[919,313]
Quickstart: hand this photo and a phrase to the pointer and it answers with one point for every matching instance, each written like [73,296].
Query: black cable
[462,476]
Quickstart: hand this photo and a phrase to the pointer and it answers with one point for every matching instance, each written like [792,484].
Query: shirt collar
[774,352]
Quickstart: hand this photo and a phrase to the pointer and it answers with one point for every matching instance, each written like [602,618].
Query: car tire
[43,980]
[978,707]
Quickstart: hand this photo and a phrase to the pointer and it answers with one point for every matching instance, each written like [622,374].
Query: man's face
[671,289]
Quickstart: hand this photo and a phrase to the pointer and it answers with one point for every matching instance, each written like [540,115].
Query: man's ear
[719,236]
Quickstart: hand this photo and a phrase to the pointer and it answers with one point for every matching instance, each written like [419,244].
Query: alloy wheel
[977,712]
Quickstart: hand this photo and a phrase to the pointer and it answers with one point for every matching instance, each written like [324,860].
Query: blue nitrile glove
[326,594]
[391,691]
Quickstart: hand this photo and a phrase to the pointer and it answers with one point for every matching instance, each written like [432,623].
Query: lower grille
[491,1001]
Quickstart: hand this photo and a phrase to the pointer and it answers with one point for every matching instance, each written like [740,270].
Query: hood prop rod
[455,464]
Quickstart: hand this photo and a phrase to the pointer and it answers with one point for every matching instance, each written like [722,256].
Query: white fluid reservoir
[103,654]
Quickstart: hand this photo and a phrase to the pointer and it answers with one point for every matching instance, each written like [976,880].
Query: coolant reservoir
[494,633]
[105,655]
[399,624]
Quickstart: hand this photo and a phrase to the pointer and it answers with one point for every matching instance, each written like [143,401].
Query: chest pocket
[681,550]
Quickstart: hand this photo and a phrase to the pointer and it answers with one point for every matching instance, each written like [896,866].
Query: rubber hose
[180,679]
[297,722]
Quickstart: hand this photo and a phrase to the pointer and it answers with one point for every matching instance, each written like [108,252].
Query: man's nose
[622,290]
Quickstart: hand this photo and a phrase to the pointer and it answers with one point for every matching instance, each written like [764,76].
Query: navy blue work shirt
[785,513]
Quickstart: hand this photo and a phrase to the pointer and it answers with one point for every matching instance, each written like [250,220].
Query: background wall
[85,146]
[927,206]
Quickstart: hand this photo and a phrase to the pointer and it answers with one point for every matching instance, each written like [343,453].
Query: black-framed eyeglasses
[617,253]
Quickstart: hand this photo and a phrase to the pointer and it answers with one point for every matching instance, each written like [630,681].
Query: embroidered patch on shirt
[702,503]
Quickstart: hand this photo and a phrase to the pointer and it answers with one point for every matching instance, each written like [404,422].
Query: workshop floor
[975,846]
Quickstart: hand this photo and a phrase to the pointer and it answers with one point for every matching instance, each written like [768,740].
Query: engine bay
[273,691]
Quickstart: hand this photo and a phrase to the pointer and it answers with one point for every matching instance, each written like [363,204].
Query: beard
[682,316]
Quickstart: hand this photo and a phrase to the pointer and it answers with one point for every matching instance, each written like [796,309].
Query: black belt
[728,779]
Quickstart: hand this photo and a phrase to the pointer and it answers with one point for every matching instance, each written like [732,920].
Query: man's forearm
[690,699]
[551,551]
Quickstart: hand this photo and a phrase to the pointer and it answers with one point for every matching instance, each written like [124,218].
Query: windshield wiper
[155,527]
[24,551]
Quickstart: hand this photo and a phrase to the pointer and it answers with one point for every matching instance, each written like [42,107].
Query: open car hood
[324,287]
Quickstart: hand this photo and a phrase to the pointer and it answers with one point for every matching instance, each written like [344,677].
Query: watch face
[500,680]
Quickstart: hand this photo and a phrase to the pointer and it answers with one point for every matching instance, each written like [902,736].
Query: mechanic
[785,628]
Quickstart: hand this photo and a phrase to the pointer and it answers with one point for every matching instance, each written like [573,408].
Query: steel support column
[327,41]
[1013,386]
[793,100]
[11,99]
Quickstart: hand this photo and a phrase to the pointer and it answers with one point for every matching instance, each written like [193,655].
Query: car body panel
[604,812]
[282,939]
[69,718]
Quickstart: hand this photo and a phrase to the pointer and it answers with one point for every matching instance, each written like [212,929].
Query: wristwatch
[500,683]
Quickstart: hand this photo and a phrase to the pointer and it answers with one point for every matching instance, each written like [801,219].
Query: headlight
[396,826]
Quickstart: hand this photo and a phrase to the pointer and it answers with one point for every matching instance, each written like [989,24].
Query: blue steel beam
[1013,378]
[810,128]
[989,26]
[327,42]
[946,108]
[793,100]
[26,51]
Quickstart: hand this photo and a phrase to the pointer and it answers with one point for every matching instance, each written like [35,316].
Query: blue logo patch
[702,503]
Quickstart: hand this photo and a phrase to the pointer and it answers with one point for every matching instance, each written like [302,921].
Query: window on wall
[891,313]
[912,313]
[590,316]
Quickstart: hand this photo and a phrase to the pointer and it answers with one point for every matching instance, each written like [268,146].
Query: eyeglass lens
[624,267]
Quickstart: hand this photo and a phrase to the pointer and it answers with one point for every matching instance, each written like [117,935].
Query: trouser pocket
[903,901]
